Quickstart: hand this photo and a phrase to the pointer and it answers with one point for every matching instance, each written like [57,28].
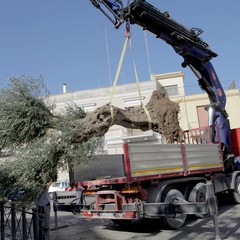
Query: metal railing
[19,223]
[202,135]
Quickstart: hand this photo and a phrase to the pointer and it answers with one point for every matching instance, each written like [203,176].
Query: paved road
[72,227]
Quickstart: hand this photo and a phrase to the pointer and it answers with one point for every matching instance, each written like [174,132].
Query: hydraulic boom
[187,43]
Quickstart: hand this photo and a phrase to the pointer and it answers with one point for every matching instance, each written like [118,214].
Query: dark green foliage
[40,141]
[23,114]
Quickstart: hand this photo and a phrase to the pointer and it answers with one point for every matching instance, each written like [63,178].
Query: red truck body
[160,181]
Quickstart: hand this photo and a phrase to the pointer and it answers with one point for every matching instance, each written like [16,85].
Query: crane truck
[166,182]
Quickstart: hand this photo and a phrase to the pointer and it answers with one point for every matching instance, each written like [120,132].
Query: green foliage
[23,114]
[31,168]
[41,142]
[73,112]
[74,153]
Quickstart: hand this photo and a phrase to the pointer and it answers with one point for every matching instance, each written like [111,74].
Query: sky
[70,41]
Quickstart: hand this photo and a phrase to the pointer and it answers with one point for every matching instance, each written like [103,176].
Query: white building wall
[233,108]
[171,79]
[188,104]
[127,95]
[124,96]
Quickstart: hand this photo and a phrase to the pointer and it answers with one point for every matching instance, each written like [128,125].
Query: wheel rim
[236,192]
[238,186]
[179,219]
[199,194]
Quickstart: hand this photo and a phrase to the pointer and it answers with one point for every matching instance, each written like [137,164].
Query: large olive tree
[39,142]
[34,143]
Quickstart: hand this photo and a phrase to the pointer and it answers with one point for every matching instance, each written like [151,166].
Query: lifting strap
[116,77]
[128,39]
[138,87]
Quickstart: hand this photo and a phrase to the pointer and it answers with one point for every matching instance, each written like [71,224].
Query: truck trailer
[152,180]
[166,182]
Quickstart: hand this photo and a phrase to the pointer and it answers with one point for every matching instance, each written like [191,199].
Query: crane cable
[127,34]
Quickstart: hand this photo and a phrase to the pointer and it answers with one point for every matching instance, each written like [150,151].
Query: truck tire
[199,194]
[179,219]
[236,190]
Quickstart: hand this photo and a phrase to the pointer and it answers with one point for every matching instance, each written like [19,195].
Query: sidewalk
[71,227]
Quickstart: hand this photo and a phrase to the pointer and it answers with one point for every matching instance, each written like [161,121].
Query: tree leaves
[23,114]
[39,141]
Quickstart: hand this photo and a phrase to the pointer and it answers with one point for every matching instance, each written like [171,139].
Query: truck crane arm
[112,9]
[186,42]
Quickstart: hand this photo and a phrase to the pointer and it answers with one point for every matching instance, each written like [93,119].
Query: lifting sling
[127,34]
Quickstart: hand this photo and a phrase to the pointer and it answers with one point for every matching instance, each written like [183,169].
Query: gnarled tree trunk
[163,114]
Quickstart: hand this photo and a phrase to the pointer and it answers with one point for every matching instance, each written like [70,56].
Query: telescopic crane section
[186,42]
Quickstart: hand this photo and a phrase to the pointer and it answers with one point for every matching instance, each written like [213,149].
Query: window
[88,107]
[172,90]
[56,184]
[65,184]
[131,102]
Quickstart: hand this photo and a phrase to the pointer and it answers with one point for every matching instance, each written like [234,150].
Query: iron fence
[19,223]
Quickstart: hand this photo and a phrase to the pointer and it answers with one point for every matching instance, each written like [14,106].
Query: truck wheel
[236,190]
[179,219]
[199,194]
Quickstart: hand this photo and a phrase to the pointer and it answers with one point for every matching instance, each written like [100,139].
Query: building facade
[192,108]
